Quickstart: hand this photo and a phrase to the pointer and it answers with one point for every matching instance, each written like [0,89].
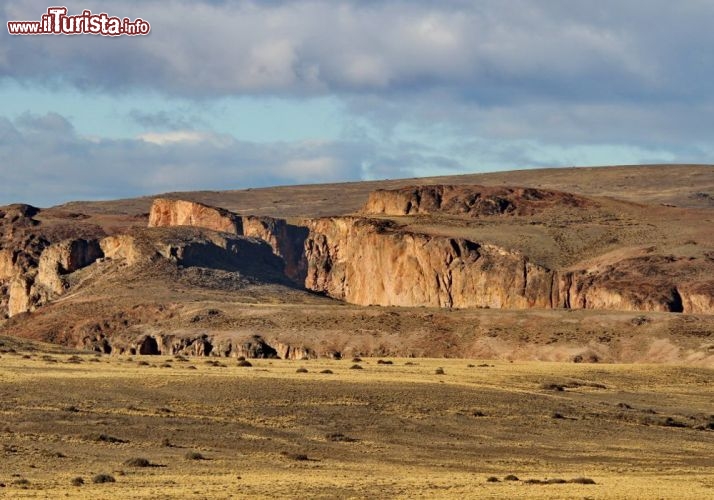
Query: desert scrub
[77,481]
[103,478]
[338,437]
[138,462]
[582,480]
[194,455]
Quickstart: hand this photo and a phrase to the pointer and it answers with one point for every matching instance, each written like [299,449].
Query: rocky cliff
[285,239]
[165,212]
[472,201]
[358,259]
[375,262]
[371,262]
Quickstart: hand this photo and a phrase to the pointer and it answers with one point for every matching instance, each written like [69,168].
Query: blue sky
[235,94]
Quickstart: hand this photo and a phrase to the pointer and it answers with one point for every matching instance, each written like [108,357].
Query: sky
[236,94]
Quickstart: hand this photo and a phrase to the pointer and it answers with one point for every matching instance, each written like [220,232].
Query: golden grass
[416,434]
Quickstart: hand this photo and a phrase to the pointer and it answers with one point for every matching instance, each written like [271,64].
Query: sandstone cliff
[472,201]
[370,262]
[285,239]
[166,212]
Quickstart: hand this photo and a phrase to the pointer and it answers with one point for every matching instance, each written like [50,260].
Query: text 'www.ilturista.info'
[57,22]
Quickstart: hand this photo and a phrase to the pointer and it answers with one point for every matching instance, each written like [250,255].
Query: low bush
[194,455]
[103,478]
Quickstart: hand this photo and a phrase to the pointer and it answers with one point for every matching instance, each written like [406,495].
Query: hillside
[487,263]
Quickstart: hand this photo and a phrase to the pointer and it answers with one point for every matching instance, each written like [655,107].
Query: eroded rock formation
[285,239]
[216,345]
[472,201]
[371,262]
[165,212]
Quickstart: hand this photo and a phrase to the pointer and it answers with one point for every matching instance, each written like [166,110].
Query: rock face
[285,239]
[472,201]
[33,287]
[64,258]
[648,283]
[166,212]
[370,262]
[222,345]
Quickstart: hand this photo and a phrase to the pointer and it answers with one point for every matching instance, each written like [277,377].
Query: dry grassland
[396,430]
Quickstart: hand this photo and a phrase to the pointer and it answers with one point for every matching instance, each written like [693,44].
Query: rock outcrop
[373,262]
[32,286]
[64,258]
[165,212]
[201,344]
[285,239]
[471,201]
[370,262]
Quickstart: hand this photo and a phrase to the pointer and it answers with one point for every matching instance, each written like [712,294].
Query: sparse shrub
[533,481]
[485,365]
[143,363]
[555,480]
[245,363]
[166,443]
[194,455]
[409,363]
[624,406]
[181,358]
[301,457]
[470,366]
[191,367]
[138,462]
[338,437]
[478,413]
[582,480]
[241,358]
[439,371]
[71,409]
[327,372]
[553,387]
[356,359]
[557,415]
[670,422]
[301,370]
[165,365]
[355,367]
[384,362]
[492,479]
[103,478]
[77,481]
[511,477]
[74,359]
[94,360]
[105,438]
[21,482]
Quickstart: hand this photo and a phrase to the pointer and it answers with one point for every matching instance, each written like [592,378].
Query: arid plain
[578,359]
